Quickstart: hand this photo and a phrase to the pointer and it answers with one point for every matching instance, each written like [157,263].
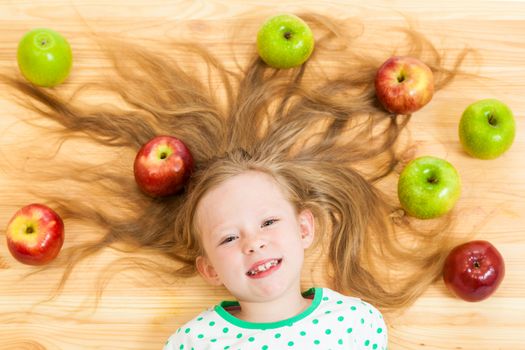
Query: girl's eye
[269,222]
[228,239]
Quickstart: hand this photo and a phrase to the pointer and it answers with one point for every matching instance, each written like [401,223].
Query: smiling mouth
[261,269]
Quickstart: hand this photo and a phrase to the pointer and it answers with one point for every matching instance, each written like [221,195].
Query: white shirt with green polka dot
[332,322]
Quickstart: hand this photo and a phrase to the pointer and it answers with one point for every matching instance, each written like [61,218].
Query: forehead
[248,193]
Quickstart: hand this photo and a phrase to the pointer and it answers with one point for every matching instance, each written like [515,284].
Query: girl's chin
[267,292]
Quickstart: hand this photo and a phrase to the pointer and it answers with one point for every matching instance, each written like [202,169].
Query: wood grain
[139,311]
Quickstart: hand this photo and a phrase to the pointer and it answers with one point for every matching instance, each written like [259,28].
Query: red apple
[35,234]
[404,84]
[162,166]
[474,270]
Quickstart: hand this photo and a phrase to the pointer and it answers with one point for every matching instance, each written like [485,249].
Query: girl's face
[253,238]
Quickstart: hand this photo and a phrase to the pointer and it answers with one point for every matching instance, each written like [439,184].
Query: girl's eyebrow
[218,231]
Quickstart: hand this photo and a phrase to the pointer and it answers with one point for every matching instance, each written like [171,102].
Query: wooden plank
[137,309]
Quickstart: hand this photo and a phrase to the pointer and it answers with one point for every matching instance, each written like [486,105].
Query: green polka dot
[290,343]
[181,346]
[303,333]
[327,312]
[328,331]
[367,342]
[339,302]
[315,321]
[370,311]
[251,339]
[200,336]
[362,321]
[340,342]
[212,323]
[316,342]
[379,330]
[200,318]
[213,340]
[226,347]
[265,347]
[225,330]
[353,308]
[325,298]
[239,335]
[187,330]
[277,335]
[340,318]
[374,346]
[349,330]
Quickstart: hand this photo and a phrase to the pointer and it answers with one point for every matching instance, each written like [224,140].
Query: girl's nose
[253,245]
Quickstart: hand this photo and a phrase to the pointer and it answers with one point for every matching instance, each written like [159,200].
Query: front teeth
[263,267]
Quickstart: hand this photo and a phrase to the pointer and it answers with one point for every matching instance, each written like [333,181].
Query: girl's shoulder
[192,328]
[205,317]
[332,299]
[330,295]
[352,316]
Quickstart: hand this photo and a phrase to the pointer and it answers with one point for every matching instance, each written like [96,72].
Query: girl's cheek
[225,253]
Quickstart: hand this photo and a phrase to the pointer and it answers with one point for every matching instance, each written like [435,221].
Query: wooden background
[135,314]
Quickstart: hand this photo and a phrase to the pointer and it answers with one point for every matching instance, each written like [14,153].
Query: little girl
[280,155]
[252,236]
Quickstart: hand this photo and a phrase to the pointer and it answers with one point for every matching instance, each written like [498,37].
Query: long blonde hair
[324,138]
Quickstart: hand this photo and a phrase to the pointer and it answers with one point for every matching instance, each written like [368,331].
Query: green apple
[428,187]
[487,129]
[44,57]
[285,41]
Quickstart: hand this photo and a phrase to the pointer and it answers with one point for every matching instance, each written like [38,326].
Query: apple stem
[163,155]
[287,35]
[492,120]
[29,230]
[401,78]
[432,180]
[476,264]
